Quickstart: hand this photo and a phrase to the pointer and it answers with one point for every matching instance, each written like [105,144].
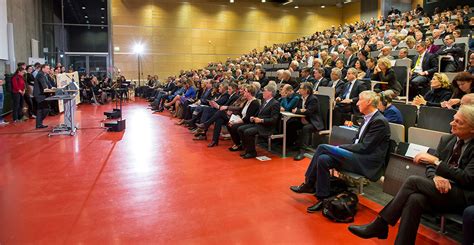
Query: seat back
[325,109]
[435,118]
[409,113]
[342,135]
[399,168]
[402,74]
[425,137]
[397,132]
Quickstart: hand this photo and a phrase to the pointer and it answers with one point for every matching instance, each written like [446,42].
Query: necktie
[263,106]
[346,92]
[456,154]
[417,63]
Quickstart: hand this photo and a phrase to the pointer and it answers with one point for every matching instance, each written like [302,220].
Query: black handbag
[341,208]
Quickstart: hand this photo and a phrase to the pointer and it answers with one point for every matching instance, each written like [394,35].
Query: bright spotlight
[138,48]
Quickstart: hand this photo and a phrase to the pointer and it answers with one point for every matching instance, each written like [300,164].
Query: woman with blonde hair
[383,72]
[440,91]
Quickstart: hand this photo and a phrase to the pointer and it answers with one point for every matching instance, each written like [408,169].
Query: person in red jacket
[18,90]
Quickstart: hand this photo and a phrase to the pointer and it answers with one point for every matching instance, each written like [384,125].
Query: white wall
[3,30]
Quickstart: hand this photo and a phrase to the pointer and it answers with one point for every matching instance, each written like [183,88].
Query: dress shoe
[316,207]
[200,137]
[243,154]
[248,156]
[212,144]
[299,156]
[378,228]
[42,126]
[201,125]
[304,188]
[235,148]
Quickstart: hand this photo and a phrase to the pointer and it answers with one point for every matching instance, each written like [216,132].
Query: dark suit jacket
[463,176]
[372,147]
[292,82]
[456,51]
[390,78]
[323,82]
[358,87]
[169,87]
[263,82]
[309,79]
[252,111]
[339,87]
[270,113]
[232,99]
[41,83]
[429,63]
[352,61]
[312,112]
[222,99]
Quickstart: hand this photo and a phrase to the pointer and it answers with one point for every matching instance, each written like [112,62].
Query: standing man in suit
[319,79]
[451,63]
[447,187]
[365,156]
[308,106]
[306,75]
[41,83]
[423,68]
[263,124]
[346,100]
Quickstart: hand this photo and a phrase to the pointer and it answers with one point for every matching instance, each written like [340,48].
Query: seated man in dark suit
[366,156]
[263,124]
[423,68]
[347,99]
[446,188]
[319,79]
[336,80]
[451,63]
[349,58]
[308,105]
[261,78]
[306,75]
[468,225]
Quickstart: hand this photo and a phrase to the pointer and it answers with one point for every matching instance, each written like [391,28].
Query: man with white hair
[365,156]
[446,188]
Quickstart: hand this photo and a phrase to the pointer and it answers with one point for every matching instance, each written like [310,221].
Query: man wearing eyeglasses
[451,52]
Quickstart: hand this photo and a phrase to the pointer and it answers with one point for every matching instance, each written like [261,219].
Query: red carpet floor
[153,185]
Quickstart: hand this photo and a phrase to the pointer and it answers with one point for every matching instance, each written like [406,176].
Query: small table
[285,117]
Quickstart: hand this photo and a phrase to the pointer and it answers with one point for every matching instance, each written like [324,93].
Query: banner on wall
[32,61]
[65,79]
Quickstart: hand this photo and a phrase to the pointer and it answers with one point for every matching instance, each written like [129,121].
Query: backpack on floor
[341,208]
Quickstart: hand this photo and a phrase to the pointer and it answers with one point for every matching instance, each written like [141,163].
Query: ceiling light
[231,1]
[102,9]
[289,1]
[102,17]
[138,48]
[102,22]
[87,21]
[86,17]
[296,7]
[83,7]
[263,1]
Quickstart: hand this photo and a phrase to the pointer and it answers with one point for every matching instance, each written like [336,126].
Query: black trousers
[341,113]
[31,104]
[219,119]
[299,133]
[41,112]
[247,133]
[468,225]
[234,133]
[17,106]
[417,195]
